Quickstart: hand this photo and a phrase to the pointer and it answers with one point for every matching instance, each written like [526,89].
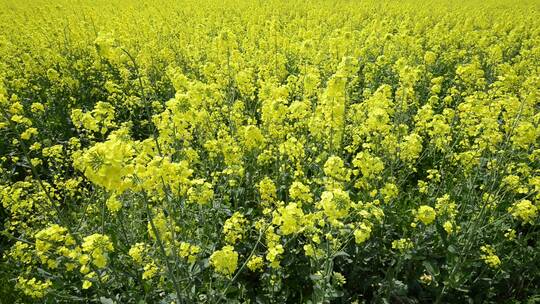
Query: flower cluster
[225,260]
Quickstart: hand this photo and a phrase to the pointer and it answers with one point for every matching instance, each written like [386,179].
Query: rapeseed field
[239,151]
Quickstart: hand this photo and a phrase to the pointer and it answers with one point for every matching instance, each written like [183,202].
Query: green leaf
[104,300]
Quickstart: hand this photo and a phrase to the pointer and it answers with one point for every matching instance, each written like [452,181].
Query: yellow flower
[86,284]
[201,192]
[410,148]
[335,204]
[362,233]
[510,234]
[299,191]
[26,135]
[113,204]
[289,218]
[448,227]
[37,107]
[225,260]
[253,137]
[389,191]
[188,251]
[524,210]
[137,251]
[256,263]
[489,256]
[422,187]
[35,147]
[33,288]
[368,164]
[339,279]
[310,251]
[273,255]
[426,278]
[267,189]
[150,271]
[524,135]
[426,214]
[335,168]
[402,244]
[97,246]
[234,228]
[106,164]
[430,57]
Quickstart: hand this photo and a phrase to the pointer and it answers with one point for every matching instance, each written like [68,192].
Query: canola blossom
[273,151]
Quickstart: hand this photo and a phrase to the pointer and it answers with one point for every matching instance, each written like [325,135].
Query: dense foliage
[269,151]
